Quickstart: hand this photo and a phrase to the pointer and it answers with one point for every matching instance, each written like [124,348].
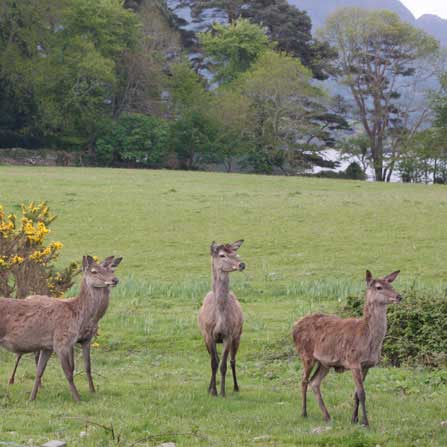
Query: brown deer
[328,341]
[220,317]
[85,339]
[56,325]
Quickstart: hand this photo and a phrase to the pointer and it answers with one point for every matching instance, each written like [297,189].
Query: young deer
[220,317]
[56,325]
[85,339]
[345,343]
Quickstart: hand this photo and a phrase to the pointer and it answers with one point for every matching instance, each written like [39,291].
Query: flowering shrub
[26,260]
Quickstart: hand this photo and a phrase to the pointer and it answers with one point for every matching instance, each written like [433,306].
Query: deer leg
[307,369]
[223,367]
[315,383]
[36,361]
[360,393]
[212,349]
[233,352]
[67,363]
[43,360]
[13,375]
[87,364]
[355,414]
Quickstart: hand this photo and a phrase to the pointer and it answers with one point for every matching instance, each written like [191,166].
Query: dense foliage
[416,328]
[114,83]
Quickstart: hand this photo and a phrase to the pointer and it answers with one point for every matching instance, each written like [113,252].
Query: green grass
[307,245]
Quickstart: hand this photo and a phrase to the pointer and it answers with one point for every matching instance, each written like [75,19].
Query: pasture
[307,245]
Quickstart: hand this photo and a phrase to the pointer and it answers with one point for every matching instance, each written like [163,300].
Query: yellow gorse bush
[26,260]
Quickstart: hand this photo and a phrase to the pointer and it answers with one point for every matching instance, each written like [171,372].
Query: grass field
[307,245]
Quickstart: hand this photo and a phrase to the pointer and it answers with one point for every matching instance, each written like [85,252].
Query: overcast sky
[419,7]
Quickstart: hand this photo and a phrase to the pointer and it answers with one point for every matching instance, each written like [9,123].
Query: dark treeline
[120,84]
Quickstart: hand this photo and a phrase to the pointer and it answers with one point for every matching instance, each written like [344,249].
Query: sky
[420,7]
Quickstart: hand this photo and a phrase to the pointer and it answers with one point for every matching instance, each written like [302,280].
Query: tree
[284,105]
[356,147]
[233,48]
[58,61]
[377,52]
[287,26]
[135,138]
[233,116]
[192,130]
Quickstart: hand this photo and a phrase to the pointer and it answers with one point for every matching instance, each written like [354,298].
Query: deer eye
[94,271]
[222,256]
[379,287]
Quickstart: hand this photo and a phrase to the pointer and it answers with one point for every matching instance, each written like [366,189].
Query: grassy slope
[308,243]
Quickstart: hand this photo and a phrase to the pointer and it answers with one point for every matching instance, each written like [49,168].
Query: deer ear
[116,262]
[369,277]
[107,261]
[213,247]
[392,276]
[236,245]
[87,261]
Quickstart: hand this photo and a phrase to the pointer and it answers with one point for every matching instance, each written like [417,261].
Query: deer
[355,344]
[32,325]
[220,318]
[90,332]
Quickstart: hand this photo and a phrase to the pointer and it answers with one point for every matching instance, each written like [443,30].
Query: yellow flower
[17,260]
[95,345]
[57,245]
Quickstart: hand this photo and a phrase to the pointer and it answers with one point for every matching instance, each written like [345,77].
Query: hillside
[435,26]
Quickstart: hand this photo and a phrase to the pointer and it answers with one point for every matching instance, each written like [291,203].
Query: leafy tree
[283,100]
[356,147]
[192,130]
[377,51]
[425,159]
[233,115]
[59,61]
[286,25]
[135,138]
[192,139]
[233,48]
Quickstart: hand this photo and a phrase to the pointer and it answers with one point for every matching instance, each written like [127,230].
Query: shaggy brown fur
[328,341]
[220,317]
[85,339]
[55,325]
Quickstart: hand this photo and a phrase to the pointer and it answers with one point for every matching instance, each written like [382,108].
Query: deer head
[381,291]
[225,257]
[100,275]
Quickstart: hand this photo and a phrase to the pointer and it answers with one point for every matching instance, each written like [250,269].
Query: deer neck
[221,287]
[93,301]
[375,318]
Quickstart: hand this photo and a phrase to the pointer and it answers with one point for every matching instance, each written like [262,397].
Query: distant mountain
[319,10]
[435,26]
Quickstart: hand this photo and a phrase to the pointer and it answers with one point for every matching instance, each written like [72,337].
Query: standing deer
[56,325]
[220,317]
[328,341]
[85,339]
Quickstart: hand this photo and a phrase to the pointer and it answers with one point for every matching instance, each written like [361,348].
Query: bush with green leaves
[134,139]
[417,328]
